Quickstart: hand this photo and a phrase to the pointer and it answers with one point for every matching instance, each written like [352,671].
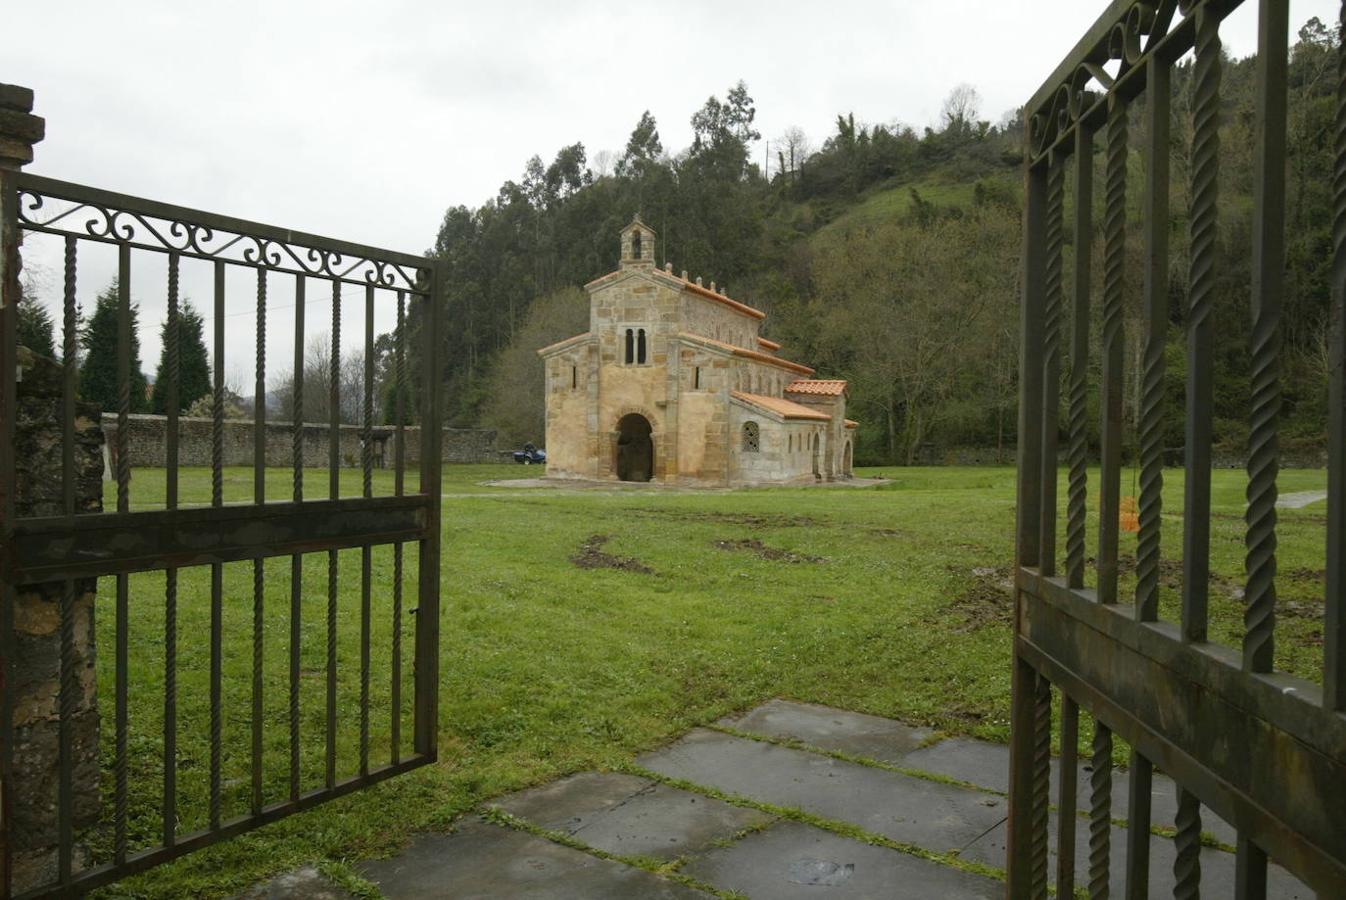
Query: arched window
[792,443]
[640,347]
[635,245]
[752,438]
[630,346]
[696,379]
[574,377]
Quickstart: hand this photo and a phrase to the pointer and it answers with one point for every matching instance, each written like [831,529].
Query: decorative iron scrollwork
[90,214]
[1125,46]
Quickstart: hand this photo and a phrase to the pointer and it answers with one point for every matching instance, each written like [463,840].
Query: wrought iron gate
[1266,752]
[166,534]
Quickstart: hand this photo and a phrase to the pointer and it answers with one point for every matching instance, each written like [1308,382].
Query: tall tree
[98,381]
[35,328]
[193,363]
[36,331]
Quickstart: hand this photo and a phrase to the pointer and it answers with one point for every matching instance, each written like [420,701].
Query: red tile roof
[770,345]
[826,388]
[781,407]
[851,423]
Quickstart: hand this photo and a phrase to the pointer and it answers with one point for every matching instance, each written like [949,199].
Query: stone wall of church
[784,449]
[703,316]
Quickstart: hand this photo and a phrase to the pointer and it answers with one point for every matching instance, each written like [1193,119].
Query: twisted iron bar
[1151,440]
[1051,356]
[1205,167]
[1263,465]
[1334,653]
[334,398]
[1100,812]
[66,725]
[258,566]
[1114,268]
[1187,841]
[1077,496]
[174,353]
[1042,760]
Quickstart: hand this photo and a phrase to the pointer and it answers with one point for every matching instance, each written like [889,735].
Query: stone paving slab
[987,765]
[483,861]
[793,861]
[631,816]
[857,734]
[305,883]
[1217,866]
[935,816]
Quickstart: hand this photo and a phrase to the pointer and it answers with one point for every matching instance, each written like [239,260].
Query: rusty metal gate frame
[67,547]
[1264,751]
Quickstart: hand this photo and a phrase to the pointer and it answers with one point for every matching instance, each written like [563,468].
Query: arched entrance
[635,449]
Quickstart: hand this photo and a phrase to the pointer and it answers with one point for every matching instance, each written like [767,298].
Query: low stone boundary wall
[147,443]
[1291,457]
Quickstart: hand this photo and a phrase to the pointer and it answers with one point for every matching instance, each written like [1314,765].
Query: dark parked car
[530,455]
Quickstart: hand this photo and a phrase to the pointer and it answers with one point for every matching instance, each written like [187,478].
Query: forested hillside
[883,255]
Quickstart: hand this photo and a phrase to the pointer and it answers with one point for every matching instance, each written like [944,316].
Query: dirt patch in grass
[1303,573]
[775,554]
[591,555]
[989,600]
[748,520]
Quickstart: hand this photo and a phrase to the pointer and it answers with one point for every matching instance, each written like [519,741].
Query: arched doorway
[635,449]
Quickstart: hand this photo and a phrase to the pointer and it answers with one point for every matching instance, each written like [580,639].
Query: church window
[635,245]
[640,347]
[696,379]
[574,377]
[630,346]
[752,438]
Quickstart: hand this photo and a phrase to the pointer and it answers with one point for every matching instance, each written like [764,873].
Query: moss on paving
[548,669]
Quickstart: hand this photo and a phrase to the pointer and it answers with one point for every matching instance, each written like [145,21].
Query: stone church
[673,383]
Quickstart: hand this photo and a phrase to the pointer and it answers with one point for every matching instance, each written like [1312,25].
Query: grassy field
[890,599]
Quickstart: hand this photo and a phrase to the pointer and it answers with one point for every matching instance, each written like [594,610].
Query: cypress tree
[193,364]
[98,372]
[35,328]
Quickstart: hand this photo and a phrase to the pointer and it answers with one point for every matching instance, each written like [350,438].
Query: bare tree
[603,162]
[793,149]
[961,108]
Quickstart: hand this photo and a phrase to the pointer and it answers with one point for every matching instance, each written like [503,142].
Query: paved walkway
[786,801]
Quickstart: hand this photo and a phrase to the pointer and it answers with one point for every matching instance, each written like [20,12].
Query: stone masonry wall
[147,443]
[36,666]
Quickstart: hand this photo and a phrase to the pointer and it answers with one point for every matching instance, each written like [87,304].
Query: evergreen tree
[35,328]
[193,364]
[98,372]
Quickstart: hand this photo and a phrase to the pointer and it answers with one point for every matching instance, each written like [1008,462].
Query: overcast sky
[366,121]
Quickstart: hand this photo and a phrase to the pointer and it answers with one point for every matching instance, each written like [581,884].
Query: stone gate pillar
[31,413]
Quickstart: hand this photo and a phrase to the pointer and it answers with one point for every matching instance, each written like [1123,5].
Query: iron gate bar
[297,560]
[68,547]
[333,492]
[170,767]
[1078,418]
[1114,285]
[1201,296]
[1180,703]
[1334,621]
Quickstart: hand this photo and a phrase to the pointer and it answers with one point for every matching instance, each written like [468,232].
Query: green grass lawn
[887,599]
